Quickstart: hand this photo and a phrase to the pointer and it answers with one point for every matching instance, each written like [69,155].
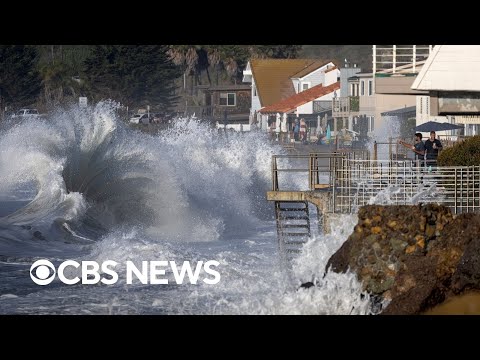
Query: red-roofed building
[290,86]
[292,103]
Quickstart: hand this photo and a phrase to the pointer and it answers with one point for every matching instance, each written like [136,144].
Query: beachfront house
[290,88]
[451,80]
[395,68]
[232,101]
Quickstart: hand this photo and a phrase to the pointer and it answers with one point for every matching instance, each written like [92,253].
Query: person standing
[418,148]
[303,130]
[432,146]
[296,130]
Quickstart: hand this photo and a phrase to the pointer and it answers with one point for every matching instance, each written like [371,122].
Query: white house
[451,75]
[276,84]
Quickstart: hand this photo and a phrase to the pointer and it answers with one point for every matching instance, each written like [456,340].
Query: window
[354,91]
[421,104]
[254,90]
[362,88]
[427,107]
[372,123]
[370,87]
[228,99]
[298,88]
[305,86]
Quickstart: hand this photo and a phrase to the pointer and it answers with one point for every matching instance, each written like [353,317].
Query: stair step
[298,243]
[288,226]
[296,251]
[294,217]
[292,209]
[294,234]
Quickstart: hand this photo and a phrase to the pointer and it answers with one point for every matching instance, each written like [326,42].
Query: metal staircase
[293,227]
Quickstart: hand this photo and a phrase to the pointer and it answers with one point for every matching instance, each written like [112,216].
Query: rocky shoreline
[412,257]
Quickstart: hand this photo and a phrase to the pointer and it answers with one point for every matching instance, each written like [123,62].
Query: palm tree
[213,60]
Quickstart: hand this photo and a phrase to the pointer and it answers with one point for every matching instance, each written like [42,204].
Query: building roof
[401,111]
[450,68]
[310,68]
[331,69]
[273,77]
[301,98]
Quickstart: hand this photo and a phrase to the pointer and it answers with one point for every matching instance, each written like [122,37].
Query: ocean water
[82,185]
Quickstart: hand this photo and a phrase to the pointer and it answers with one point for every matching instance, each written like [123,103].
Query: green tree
[464,153]
[278,51]
[60,67]
[133,75]
[359,54]
[20,81]
[227,59]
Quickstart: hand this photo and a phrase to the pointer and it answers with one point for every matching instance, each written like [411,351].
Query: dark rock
[307,285]
[37,234]
[415,256]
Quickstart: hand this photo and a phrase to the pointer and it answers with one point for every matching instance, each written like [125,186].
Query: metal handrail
[313,168]
[353,181]
[455,187]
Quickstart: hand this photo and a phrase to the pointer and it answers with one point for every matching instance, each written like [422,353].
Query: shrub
[465,153]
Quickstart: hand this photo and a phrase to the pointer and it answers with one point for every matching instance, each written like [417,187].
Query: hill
[359,54]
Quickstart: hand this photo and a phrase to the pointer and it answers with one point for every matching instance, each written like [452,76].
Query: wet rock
[397,244]
[415,256]
[392,224]
[37,234]
[371,239]
[307,285]
[376,230]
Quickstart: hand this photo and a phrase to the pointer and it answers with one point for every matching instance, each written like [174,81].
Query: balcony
[321,106]
[346,106]
[395,59]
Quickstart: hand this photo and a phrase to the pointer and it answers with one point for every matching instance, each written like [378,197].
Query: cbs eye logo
[42,272]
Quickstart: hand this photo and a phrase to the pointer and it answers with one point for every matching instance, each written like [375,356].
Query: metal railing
[343,106]
[301,164]
[393,150]
[199,111]
[319,166]
[354,180]
[321,106]
[396,58]
[360,182]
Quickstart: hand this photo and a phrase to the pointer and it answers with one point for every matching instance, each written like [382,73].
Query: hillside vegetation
[46,76]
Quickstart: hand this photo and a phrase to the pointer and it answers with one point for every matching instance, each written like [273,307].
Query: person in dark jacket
[296,130]
[432,147]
